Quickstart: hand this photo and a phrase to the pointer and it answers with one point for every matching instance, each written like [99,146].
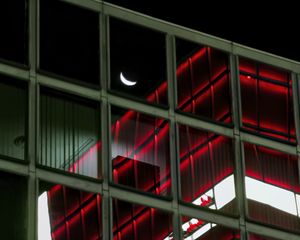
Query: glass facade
[179,136]
[132,221]
[207,169]
[140,151]
[70,134]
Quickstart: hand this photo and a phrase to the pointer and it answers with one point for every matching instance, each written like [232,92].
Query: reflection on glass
[138,66]
[272,187]
[13,207]
[69,41]
[70,134]
[203,84]
[131,221]
[140,151]
[267,100]
[207,169]
[67,213]
[193,229]
[12,119]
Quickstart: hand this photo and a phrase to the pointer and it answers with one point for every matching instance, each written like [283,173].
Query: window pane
[140,151]
[272,187]
[207,169]
[267,100]
[70,134]
[193,228]
[132,221]
[14,31]
[13,206]
[253,236]
[67,213]
[138,62]
[12,119]
[69,41]
[203,81]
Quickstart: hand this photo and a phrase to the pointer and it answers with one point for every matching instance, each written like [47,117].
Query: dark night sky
[267,28]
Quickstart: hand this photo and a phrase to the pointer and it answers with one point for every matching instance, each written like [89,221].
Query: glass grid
[108,190]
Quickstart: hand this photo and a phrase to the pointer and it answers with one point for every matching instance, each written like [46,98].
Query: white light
[125,81]
[276,197]
[224,192]
[44,232]
[298,203]
[201,231]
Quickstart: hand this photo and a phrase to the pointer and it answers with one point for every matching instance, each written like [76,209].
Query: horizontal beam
[14,167]
[69,180]
[13,71]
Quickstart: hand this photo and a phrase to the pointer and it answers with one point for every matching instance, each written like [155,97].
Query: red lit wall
[141,153]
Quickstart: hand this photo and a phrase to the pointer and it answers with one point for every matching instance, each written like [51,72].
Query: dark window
[140,151]
[272,186]
[13,206]
[69,41]
[207,169]
[139,55]
[203,81]
[70,134]
[13,105]
[14,31]
[132,221]
[267,100]
[68,213]
[253,236]
[194,228]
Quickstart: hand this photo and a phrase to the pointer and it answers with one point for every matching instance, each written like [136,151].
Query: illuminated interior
[140,156]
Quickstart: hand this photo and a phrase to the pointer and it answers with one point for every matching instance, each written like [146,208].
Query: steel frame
[34,173]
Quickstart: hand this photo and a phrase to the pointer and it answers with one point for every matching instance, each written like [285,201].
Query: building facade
[116,125]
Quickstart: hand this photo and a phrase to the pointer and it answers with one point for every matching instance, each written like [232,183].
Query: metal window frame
[35,174]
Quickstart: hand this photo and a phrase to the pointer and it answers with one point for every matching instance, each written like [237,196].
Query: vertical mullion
[107,221]
[172,99]
[238,145]
[32,190]
[296,101]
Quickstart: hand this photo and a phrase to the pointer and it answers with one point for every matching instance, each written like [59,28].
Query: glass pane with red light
[137,65]
[68,213]
[13,105]
[267,106]
[252,236]
[70,130]
[272,187]
[203,81]
[193,228]
[132,221]
[207,169]
[140,151]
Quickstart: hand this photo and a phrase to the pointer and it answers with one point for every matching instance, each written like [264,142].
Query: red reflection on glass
[267,100]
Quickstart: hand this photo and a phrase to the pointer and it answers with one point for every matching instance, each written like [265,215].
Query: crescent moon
[125,81]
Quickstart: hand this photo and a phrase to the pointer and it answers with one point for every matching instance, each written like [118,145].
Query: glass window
[267,106]
[13,105]
[69,43]
[138,62]
[14,31]
[140,151]
[132,221]
[69,134]
[203,81]
[272,187]
[67,213]
[194,228]
[207,169]
[13,206]
[253,236]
